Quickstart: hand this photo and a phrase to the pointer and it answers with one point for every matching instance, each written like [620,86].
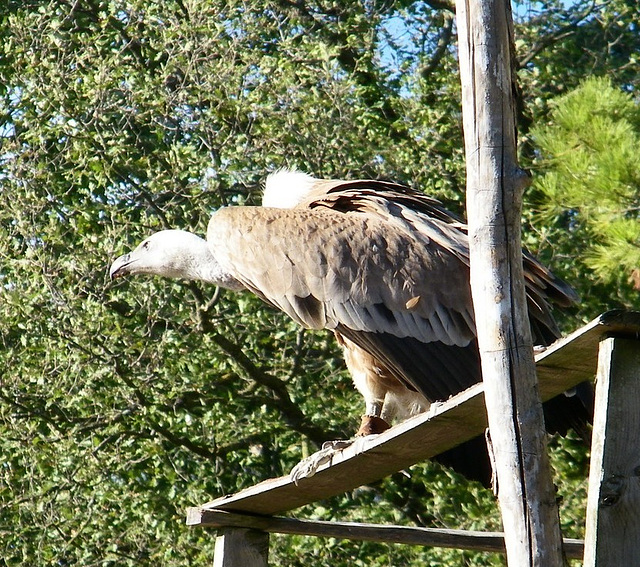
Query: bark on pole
[494,194]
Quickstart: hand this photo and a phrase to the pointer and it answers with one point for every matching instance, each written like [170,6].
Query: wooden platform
[563,365]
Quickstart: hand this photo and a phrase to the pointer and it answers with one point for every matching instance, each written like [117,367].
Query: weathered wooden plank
[241,547]
[613,522]
[495,185]
[370,460]
[562,366]
[429,537]
[577,353]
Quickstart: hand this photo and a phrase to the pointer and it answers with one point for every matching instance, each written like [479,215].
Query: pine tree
[590,152]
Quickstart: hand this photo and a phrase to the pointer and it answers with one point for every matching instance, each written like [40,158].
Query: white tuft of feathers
[285,188]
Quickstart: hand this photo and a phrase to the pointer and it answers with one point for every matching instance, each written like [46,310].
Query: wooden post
[613,505]
[494,191]
[240,547]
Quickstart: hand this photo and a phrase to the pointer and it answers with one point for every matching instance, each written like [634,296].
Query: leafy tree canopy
[122,404]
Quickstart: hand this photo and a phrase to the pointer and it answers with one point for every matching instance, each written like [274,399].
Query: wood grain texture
[613,520]
[241,547]
[562,366]
[494,203]
[430,537]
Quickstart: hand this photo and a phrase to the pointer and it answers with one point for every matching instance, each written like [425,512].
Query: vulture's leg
[373,381]
[370,379]
[373,421]
[386,398]
[372,424]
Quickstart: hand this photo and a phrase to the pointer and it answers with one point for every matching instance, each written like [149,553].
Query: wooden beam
[577,353]
[241,547]
[562,366]
[451,422]
[429,537]
[495,184]
[613,523]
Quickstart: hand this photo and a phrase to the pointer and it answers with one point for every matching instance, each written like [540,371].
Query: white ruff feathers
[285,188]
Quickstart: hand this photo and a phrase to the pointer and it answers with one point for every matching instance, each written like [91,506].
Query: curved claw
[306,468]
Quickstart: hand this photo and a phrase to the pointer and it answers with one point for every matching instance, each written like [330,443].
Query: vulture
[383,266]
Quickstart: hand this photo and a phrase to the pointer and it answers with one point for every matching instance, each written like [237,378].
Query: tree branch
[568,29]
[291,412]
[293,415]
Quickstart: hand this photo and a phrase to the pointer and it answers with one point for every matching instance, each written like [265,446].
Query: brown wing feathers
[426,218]
[387,268]
[380,262]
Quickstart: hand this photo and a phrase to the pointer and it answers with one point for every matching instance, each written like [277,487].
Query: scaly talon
[306,468]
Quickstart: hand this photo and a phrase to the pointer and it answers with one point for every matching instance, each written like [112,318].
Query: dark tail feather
[571,410]
[469,459]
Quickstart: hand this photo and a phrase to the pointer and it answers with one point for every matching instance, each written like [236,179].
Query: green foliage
[121,404]
[560,43]
[591,182]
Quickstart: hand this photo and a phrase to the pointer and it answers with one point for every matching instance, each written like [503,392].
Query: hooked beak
[120,266]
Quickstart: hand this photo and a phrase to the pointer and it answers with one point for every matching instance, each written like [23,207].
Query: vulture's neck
[192,259]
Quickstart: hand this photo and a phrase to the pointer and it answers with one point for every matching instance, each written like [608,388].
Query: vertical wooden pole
[239,547]
[613,506]
[494,191]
